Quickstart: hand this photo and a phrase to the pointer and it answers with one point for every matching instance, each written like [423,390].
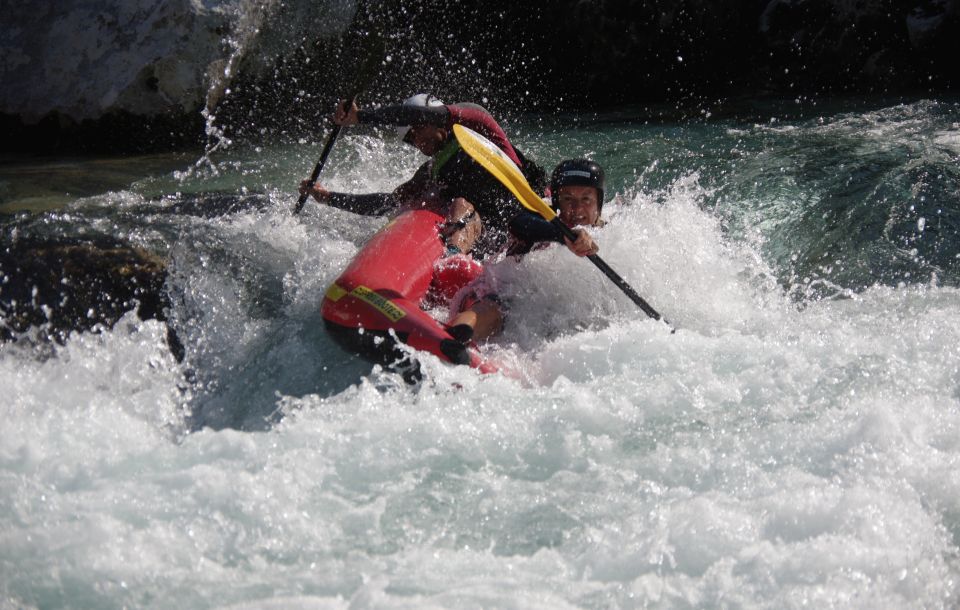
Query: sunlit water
[795,444]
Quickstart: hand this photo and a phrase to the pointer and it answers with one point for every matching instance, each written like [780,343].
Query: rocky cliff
[137,73]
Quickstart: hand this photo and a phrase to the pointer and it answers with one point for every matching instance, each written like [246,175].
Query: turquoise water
[795,443]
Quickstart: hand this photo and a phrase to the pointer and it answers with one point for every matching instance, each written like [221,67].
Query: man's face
[578,205]
[427,139]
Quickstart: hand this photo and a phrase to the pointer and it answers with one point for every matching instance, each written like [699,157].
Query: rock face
[133,64]
[156,64]
[86,58]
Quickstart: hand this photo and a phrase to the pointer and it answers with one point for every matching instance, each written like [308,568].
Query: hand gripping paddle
[363,78]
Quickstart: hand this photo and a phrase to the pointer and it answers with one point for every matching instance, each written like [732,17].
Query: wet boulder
[62,286]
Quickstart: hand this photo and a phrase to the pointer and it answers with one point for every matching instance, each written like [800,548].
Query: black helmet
[577,172]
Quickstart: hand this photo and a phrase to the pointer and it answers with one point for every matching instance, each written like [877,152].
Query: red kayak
[377,300]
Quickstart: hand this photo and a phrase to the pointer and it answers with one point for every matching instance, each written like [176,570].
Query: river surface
[795,444]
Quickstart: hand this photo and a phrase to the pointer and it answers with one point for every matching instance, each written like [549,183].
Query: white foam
[769,453]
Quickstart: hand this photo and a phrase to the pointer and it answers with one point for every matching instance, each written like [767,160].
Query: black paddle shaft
[613,275]
[367,70]
[323,160]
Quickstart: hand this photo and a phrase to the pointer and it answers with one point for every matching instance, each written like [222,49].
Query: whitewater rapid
[782,449]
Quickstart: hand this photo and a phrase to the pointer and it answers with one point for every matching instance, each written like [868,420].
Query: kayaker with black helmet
[576,193]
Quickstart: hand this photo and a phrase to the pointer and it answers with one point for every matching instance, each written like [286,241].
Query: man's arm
[531,228]
[372,204]
[378,204]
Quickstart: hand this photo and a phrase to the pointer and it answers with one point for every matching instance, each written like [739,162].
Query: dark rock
[61,287]
[215,204]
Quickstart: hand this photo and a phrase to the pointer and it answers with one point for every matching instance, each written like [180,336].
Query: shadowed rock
[61,287]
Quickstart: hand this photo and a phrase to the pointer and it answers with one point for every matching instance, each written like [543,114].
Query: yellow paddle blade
[488,155]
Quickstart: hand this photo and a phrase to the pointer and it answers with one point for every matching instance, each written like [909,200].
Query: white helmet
[420,100]
[423,100]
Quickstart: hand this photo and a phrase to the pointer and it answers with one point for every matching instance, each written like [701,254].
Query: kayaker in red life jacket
[576,193]
[478,208]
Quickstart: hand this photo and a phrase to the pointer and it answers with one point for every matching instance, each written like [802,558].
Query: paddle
[364,76]
[487,154]
[323,159]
